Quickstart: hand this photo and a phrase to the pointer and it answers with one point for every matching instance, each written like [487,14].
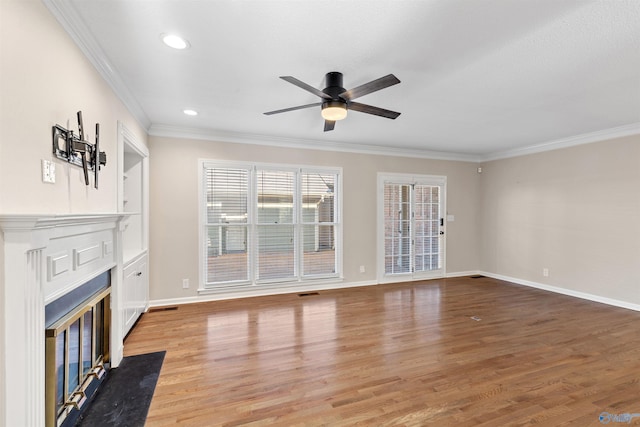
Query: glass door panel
[413,228]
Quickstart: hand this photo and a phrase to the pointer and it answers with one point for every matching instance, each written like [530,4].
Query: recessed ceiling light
[174,41]
[190,112]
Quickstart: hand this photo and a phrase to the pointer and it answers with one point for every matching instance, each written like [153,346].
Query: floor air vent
[308,294]
[477,276]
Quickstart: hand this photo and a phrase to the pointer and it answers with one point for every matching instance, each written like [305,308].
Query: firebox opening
[77,349]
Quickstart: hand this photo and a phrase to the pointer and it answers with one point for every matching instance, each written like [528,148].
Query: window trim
[253,283]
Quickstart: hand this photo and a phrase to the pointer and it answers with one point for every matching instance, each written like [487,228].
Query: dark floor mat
[125,397]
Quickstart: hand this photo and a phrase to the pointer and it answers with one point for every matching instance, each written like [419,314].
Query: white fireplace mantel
[42,257]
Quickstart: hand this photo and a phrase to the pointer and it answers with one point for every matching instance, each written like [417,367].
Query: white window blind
[318,223]
[276,228]
[227,224]
[397,228]
[427,228]
[267,223]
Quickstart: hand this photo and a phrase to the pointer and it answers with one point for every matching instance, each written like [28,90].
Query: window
[268,224]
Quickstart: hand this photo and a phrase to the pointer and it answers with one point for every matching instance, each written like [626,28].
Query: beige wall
[44,80]
[174,206]
[575,211]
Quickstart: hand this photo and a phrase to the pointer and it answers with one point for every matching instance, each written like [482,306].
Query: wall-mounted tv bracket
[77,151]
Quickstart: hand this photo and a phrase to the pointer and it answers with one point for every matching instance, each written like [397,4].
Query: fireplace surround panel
[70,259]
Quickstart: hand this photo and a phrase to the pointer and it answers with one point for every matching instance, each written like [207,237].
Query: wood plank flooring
[451,352]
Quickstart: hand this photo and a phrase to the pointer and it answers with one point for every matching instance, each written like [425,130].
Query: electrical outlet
[185,283]
[362,269]
[545,272]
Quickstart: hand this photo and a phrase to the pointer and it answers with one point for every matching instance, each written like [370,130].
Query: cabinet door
[136,292]
[129,296]
[142,286]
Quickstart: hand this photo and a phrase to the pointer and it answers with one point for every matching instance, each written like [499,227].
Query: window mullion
[252,243]
[297,219]
[412,226]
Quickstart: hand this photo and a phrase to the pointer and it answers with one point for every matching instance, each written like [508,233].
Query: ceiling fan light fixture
[334,110]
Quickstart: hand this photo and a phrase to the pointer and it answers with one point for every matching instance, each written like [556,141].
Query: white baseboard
[247,293]
[564,291]
[461,273]
[221,295]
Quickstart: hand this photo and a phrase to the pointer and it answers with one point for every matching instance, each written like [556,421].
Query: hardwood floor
[459,352]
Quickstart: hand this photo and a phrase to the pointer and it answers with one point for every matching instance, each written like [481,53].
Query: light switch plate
[48,171]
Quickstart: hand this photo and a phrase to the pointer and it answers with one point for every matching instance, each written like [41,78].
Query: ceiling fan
[336,100]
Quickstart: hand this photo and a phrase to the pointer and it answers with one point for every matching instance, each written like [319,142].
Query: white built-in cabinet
[136,290]
[133,199]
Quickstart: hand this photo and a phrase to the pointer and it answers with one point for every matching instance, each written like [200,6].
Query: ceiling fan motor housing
[334,85]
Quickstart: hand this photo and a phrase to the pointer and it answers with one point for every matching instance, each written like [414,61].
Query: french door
[411,227]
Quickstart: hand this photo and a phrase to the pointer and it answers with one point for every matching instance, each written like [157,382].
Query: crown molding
[572,141]
[70,20]
[309,144]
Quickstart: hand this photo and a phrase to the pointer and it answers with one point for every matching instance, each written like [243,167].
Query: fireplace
[76,349]
[61,279]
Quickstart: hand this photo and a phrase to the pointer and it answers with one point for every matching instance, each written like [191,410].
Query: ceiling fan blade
[329,125]
[305,86]
[300,107]
[367,88]
[370,109]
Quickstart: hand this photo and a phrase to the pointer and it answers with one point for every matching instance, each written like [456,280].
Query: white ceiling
[480,78]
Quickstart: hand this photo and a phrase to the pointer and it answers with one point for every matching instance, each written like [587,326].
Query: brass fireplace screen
[77,349]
